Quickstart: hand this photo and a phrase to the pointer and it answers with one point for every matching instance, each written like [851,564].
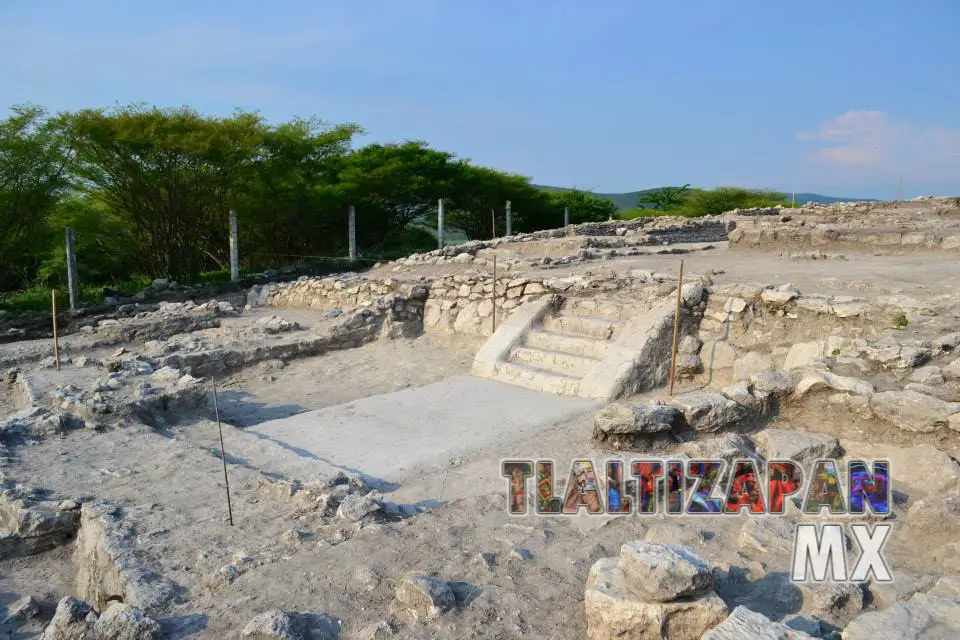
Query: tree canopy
[148,192]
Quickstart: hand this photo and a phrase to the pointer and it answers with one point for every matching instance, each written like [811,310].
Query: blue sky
[835,97]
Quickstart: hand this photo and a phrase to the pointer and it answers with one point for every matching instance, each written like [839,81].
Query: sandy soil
[860,274]
[343,405]
[273,390]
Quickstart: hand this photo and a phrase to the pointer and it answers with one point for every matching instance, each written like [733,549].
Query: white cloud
[866,143]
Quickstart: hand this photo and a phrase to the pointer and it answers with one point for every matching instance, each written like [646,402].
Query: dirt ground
[859,274]
[273,390]
[169,477]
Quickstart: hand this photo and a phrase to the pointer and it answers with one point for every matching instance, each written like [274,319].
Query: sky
[840,98]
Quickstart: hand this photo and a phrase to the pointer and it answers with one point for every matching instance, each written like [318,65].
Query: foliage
[632,214]
[584,206]
[171,173]
[293,203]
[393,185]
[33,176]
[664,199]
[102,237]
[700,202]
[148,193]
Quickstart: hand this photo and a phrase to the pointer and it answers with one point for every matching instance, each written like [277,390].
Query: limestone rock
[682,534]
[744,623]
[905,585]
[769,534]
[110,564]
[925,615]
[844,307]
[276,324]
[735,305]
[751,363]
[73,620]
[22,610]
[424,597]
[941,473]
[663,572]
[952,370]
[804,354]
[780,296]
[614,613]
[796,445]
[718,354]
[622,418]
[708,412]
[912,411]
[806,624]
[935,519]
[274,625]
[837,603]
[355,508]
[125,622]
[743,396]
[774,382]
[813,380]
[927,376]
[689,345]
[366,579]
[728,447]
[379,630]
[688,364]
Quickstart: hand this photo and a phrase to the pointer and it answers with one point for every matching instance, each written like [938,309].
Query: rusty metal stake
[223,454]
[676,331]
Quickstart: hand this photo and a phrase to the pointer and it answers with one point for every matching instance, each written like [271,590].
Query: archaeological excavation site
[300,457]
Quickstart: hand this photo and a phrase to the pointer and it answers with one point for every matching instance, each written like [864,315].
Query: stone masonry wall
[457,303]
[664,229]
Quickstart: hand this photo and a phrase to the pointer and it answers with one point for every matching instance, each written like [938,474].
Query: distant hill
[819,199]
[628,200]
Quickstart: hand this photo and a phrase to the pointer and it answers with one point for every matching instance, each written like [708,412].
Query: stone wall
[663,229]
[873,227]
[752,322]
[389,316]
[699,230]
[758,211]
[456,303]
[798,235]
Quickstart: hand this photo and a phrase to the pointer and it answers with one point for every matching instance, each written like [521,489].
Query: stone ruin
[828,362]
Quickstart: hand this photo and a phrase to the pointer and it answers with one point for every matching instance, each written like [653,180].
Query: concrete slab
[396,435]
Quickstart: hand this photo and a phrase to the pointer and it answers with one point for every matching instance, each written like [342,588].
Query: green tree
[665,198]
[292,203]
[104,243]
[393,185]
[478,197]
[584,206]
[717,201]
[172,173]
[33,177]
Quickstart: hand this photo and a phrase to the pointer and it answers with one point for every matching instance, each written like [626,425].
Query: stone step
[554,361]
[565,343]
[529,377]
[584,326]
[597,308]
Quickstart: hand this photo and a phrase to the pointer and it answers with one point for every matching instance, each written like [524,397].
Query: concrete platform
[389,437]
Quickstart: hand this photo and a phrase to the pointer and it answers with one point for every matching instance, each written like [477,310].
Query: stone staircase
[556,354]
[591,347]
